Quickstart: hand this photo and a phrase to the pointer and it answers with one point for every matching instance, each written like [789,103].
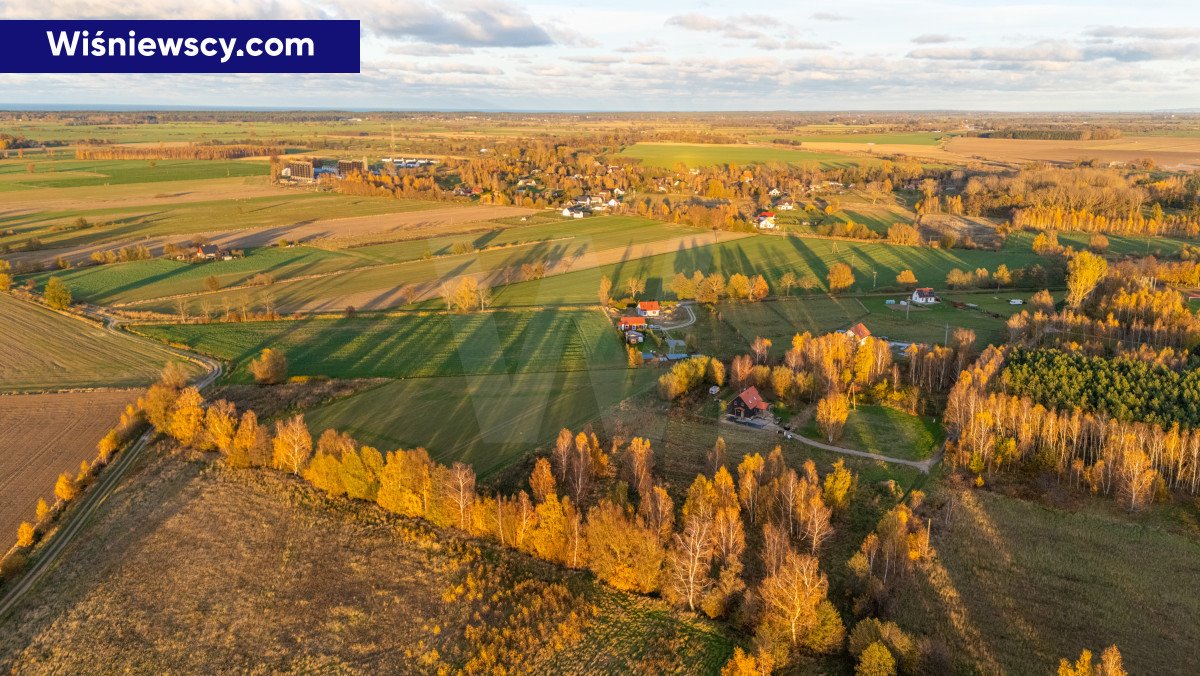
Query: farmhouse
[208,252]
[858,331]
[747,404]
[785,205]
[766,220]
[924,296]
[628,323]
[649,308]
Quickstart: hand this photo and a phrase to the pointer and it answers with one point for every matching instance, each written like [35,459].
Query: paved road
[110,478]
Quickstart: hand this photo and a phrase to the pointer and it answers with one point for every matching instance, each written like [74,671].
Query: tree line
[1136,462]
[190,151]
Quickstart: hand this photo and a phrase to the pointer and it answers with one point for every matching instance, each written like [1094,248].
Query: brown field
[42,436]
[1168,151]
[910,149]
[341,232]
[195,569]
[979,229]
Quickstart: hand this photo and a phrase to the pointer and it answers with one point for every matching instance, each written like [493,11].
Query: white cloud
[934,39]
[482,23]
[1160,33]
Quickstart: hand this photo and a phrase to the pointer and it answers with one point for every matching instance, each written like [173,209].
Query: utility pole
[874,277]
[946,342]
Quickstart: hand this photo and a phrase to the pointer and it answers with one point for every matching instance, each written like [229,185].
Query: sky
[620,55]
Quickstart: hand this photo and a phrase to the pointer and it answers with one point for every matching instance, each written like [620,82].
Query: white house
[649,308]
[566,212]
[785,206]
[924,296]
[766,220]
[859,332]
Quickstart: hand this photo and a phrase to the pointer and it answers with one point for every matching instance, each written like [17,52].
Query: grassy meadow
[1118,245]
[15,173]
[922,138]
[668,155]
[43,350]
[770,256]
[58,229]
[135,281]
[886,431]
[416,345]
[414,269]
[488,421]
[1015,586]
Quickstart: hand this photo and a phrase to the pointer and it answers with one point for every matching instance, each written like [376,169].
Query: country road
[686,305]
[923,465]
[110,478]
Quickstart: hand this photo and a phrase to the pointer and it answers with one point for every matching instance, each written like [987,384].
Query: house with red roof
[631,323]
[747,404]
[649,308]
[859,332]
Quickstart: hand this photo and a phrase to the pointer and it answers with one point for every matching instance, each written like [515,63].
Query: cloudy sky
[654,55]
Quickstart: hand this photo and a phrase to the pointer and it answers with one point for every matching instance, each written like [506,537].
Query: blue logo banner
[108,46]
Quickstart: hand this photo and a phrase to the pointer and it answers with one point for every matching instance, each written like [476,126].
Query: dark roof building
[208,251]
[747,404]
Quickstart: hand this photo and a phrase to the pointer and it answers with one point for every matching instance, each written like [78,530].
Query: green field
[56,173]
[876,217]
[489,421]
[143,280]
[146,280]
[779,320]
[886,431]
[668,155]
[1015,586]
[563,238]
[933,323]
[770,256]
[923,138]
[380,287]
[681,441]
[1118,245]
[43,350]
[411,345]
[128,223]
